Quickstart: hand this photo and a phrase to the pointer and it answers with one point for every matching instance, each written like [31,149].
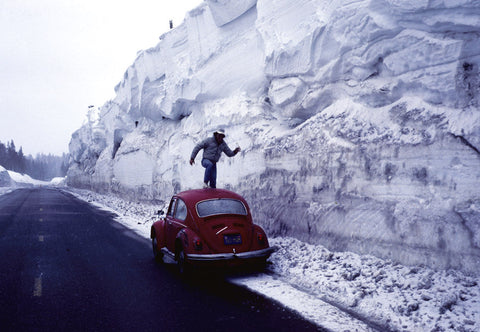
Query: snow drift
[359,122]
[10,180]
[5,179]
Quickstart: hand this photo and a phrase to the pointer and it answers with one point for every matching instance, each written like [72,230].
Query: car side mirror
[160,213]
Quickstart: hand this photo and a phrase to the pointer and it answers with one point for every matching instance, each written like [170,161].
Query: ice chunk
[225,11]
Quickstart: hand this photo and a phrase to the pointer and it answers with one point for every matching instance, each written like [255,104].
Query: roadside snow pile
[5,179]
[25,179]
[379,292]
[58,182]
[388,294]
[11,179]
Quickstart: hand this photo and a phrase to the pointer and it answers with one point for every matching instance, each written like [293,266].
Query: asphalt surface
[66,265]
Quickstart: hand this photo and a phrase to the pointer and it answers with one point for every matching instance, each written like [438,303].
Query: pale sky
[57,57]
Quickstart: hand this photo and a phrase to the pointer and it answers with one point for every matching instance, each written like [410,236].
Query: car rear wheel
[157,254]
[182,264]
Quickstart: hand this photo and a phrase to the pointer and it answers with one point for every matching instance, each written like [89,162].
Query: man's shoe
[205,185]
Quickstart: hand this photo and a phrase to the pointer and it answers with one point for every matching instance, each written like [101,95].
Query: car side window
[171,208]
[181,212]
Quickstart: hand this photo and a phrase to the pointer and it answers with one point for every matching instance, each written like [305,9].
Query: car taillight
[197,244]
[261,238]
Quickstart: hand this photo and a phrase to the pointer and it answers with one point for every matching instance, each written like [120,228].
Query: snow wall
[359,122]
[5,179]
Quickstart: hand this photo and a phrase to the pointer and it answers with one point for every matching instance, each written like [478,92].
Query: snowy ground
[343,291]
[4,190]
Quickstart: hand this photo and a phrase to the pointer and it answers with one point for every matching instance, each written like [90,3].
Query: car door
[175,221]
[170,243]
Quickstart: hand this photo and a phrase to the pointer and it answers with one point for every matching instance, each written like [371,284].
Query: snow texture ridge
[359,122]
[5,179]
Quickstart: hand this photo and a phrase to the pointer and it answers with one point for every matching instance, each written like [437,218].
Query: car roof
[196,195]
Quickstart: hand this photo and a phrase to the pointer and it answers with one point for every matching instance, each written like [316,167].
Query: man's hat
[220,132]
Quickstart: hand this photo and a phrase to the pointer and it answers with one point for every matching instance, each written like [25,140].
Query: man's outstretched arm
[229,152]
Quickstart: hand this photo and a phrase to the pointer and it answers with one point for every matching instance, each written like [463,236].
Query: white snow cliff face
[359,122]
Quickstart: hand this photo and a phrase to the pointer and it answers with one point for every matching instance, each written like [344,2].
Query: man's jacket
[211,149]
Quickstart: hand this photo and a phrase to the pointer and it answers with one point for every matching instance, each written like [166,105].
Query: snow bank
[10,180]
[58,182]
[391,296]
[358,122]
[25,179]
[5,179]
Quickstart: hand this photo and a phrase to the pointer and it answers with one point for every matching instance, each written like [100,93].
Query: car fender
[185,238]
[158,228]
[256,244]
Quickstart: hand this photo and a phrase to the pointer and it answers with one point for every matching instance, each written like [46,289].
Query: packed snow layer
[342,291]
[9,180]
[5,179]
[225,11]
[25,179]
[359,122]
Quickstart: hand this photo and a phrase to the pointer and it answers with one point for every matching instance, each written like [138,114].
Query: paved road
[68,266]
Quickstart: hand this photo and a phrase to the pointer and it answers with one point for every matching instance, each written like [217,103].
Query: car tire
[157,254]
[182,264]
[262,265]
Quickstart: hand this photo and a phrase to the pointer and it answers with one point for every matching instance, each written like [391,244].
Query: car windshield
[220,206]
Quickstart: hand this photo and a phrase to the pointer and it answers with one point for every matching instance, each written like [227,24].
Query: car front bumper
[249,255]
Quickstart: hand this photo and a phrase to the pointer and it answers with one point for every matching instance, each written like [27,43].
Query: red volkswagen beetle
[209,226]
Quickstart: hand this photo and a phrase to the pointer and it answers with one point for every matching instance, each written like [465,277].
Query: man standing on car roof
[212,150]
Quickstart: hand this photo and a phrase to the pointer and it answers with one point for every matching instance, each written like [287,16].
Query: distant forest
[42,167]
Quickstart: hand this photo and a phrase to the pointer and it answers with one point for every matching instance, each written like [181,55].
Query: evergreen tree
[3,154]
[21,162]
[11,155]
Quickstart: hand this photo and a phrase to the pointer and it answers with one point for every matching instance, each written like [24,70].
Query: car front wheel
[157,254]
